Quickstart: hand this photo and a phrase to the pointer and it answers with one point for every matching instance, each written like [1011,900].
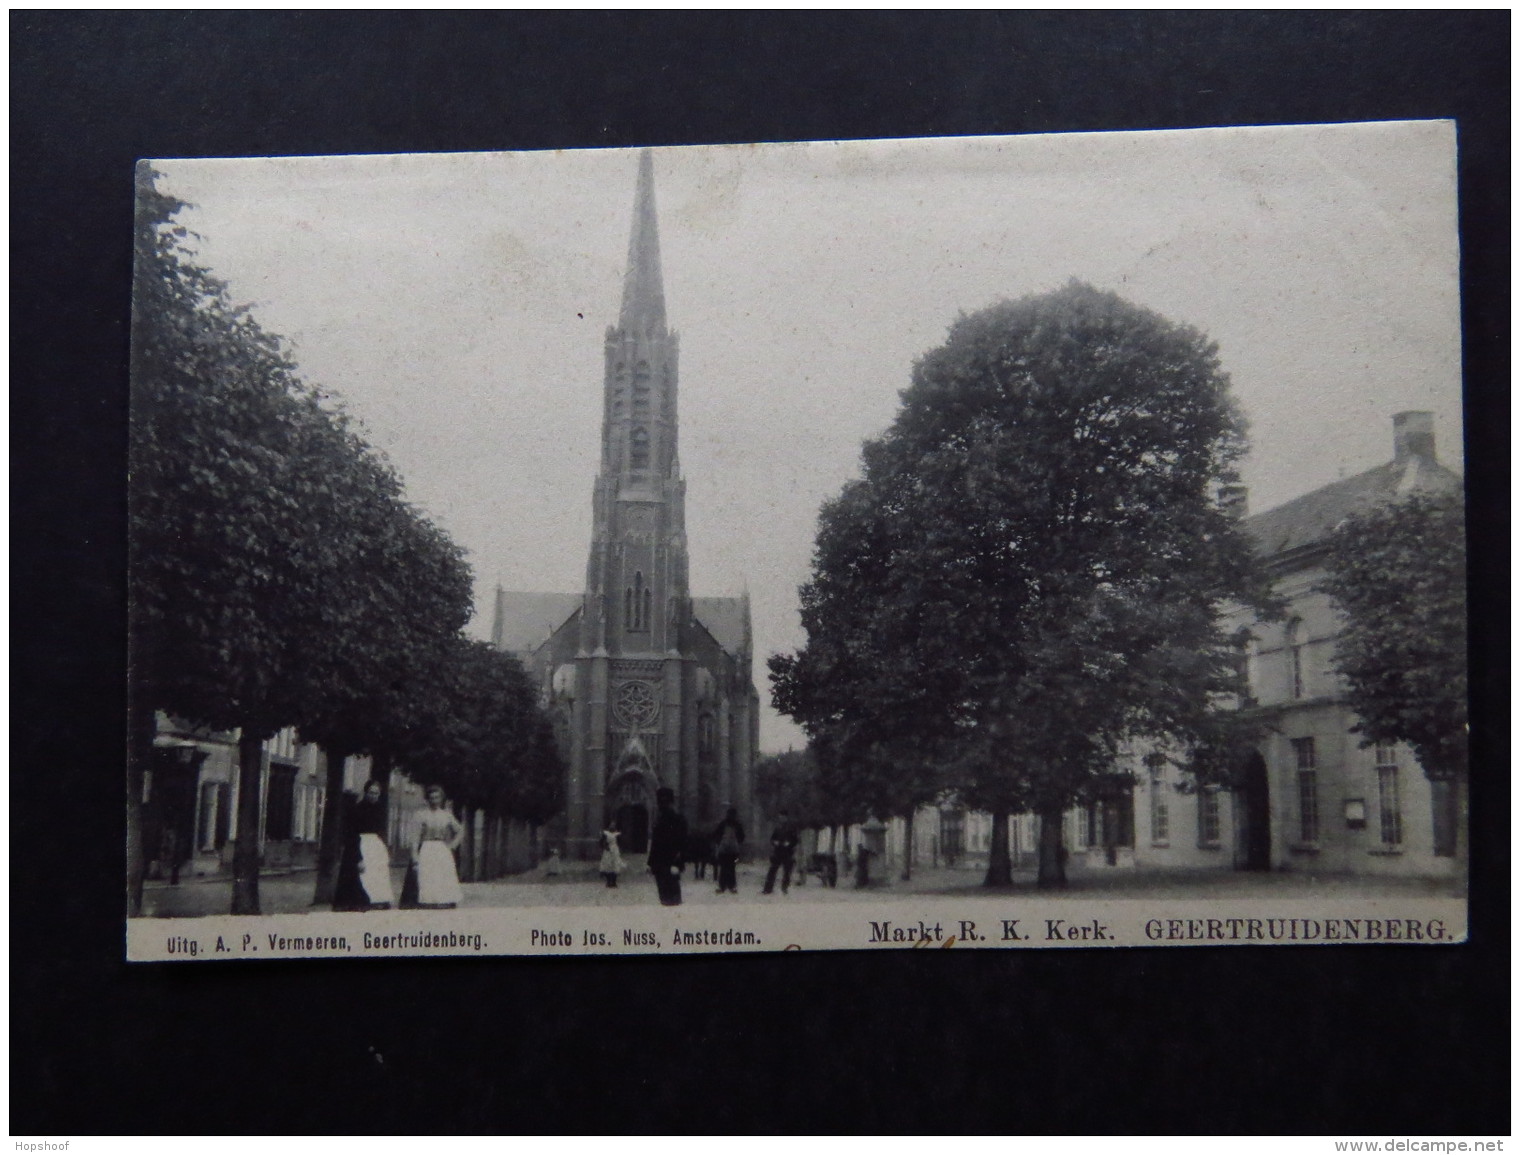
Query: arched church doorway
[630,803]
[1256,821]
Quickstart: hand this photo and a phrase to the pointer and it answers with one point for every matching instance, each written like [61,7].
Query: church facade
[649,687]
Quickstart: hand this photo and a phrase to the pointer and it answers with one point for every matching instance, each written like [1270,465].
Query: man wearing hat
[667,848]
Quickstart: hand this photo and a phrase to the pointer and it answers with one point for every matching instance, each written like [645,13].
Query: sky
[457,304]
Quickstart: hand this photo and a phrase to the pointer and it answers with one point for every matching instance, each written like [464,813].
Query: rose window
[635,705]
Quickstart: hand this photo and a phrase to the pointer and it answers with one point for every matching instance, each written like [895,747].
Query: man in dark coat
[784,839]
[667,848]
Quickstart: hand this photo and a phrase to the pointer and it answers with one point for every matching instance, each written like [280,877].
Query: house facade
[190,798]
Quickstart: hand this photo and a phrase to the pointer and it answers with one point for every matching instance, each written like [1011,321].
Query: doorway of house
[1256,823]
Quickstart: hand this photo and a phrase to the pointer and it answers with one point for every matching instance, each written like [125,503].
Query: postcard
[973,543]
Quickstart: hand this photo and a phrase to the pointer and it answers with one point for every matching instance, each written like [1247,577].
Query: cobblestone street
[578,886]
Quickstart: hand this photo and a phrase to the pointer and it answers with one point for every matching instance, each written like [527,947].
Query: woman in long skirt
[438,835]
[374,856]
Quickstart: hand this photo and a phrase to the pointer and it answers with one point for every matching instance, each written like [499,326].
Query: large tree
[481,734]
[257,513]
[408,597]
[210,506]
[1398,572]
[1028,576]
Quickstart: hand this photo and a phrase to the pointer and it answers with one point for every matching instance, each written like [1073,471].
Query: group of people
[364,867]
[432,882]
[668,844]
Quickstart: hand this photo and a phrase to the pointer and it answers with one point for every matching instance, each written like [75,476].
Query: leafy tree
[1398,572]
[211,506]
[1027,576]
[789,781]
[264,532]
[408,595]
[482,736]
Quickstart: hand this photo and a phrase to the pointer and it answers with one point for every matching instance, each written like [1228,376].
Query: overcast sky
[457,303]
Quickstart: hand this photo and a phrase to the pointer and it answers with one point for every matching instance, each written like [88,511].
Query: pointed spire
[643,287]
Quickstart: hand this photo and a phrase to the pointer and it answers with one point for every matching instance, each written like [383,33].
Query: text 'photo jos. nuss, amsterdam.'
[1024,542]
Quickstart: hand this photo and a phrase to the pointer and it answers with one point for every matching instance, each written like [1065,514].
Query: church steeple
[637,599]
[643,286]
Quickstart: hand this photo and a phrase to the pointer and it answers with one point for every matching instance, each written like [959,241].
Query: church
[648,686]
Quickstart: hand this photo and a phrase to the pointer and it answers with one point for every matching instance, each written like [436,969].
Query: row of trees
[1028,577]
[279,578]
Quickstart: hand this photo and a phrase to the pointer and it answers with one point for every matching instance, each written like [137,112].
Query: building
[190,798]
[648,686]
[1308,797]
[190,791]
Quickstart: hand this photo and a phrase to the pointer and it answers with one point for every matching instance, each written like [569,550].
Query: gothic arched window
[638,449]
[641,388]
[636,604]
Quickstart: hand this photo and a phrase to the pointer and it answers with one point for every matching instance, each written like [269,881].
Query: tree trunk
[139,752]
[245,854]
[999,866]
[1052,854]
[330,848]
[907,870]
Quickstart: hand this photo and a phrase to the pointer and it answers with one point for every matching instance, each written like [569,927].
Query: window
[1160,818]
[1303,754]
[1391,822]
[1295,640]
[641,388]
[952,834]
[636,605]
[1119,819]
[1390,812]
[206,820]
[1208,816]
[1308,806]
[1308,790]
[1241,663]
[638,449]
[1443,817]
[279,818]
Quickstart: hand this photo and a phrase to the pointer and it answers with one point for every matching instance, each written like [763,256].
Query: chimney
[1414,435]
[1232,499]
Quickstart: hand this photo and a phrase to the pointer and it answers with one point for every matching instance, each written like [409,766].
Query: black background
[1382,1041]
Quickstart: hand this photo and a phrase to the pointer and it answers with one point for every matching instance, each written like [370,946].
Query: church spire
[643,287]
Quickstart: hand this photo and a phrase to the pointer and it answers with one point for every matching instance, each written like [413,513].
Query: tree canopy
[278,578]
[481,735]
[1399,574]
[1029,573]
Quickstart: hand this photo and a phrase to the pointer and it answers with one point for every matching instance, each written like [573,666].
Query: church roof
[524,621]
[1308,519]
[643,308]
[726,619]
